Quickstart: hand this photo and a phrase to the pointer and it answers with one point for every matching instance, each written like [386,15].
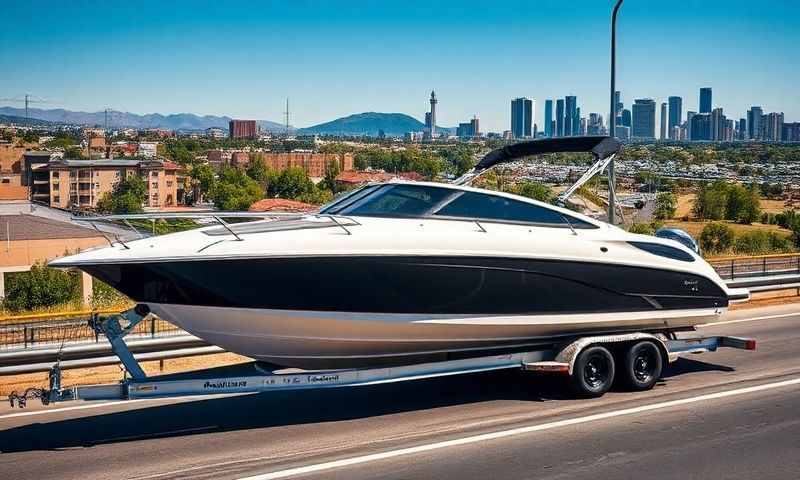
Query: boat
[403,272]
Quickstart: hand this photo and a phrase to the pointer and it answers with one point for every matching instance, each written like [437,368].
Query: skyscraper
[689,115]
[718,124]
[754,123]
[644,118]
[701,127]
[521,117]
[433,113]
[705,100]
[571,103]
[243,129]
[675,114]
[559,117]
[663,126]
[576,123]
[548,118]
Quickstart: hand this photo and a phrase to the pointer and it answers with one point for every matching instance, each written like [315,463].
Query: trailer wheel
[643,364]
[593,372]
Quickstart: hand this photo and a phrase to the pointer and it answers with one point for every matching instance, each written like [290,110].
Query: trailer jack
[112,327]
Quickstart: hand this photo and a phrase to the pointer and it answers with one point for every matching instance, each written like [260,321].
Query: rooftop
[31,227]
[280,205]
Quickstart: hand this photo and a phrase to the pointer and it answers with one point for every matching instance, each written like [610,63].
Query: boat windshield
[417,201]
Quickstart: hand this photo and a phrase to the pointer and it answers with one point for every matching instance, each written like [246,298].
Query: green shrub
[759,242]
[641,228]
[716,238]
[106,296]
[41,287]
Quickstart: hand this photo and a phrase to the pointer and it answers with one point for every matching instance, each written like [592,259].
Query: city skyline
[359,57]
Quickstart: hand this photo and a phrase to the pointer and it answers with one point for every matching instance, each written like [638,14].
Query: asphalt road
[729,414]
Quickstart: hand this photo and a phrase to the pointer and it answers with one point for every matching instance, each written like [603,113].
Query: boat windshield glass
[404,200]
[348,198]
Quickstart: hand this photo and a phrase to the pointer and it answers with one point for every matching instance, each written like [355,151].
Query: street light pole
[612,196]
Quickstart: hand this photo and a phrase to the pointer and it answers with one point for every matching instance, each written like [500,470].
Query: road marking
[68,409]
[514,432]
[753,319]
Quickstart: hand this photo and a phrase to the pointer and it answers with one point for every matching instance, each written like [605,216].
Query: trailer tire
[593,372]
[642,366]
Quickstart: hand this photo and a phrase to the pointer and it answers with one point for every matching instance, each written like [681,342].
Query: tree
[127,197]
[328,182]
[716,238]
[290,183]
[39,288]
[73,152]
[257,169]
[641,228]
[534,190]
[666,205]
[234,190]
[711,201]
[204,179]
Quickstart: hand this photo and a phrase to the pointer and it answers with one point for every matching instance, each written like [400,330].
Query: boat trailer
[565,358]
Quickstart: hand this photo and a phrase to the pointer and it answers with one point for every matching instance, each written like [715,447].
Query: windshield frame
[354,202]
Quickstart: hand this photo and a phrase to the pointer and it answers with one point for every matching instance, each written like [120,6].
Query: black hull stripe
[411,284]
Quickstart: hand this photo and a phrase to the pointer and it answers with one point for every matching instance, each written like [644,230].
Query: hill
[369,124]
[17,120]
[116,119]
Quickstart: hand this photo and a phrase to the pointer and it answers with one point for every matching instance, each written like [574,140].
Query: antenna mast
[286,116]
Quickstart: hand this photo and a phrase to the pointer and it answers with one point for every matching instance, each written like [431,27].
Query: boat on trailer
[412,272]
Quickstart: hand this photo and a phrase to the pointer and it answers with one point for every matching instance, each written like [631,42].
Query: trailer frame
[258,377]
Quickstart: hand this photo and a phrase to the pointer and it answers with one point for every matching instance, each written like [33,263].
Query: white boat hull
[309,339]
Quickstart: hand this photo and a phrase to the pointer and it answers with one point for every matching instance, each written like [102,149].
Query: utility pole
[27,99]
[612,196]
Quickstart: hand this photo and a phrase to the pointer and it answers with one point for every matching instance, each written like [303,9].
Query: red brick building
[312,163]
[243,129]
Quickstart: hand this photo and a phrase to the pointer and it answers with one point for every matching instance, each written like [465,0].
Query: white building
[148,149]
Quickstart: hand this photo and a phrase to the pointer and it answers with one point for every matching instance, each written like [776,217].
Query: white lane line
[752,319]
[68,409]
[513,432]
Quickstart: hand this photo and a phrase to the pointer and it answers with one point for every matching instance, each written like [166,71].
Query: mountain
[17,120]
[369,123]
[176,121]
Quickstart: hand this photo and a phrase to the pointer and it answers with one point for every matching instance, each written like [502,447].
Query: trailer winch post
[111,327]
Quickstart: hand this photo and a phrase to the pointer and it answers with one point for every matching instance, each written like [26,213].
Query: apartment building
[79,184]
[312,163]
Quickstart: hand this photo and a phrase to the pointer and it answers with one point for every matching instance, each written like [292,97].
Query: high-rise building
[548,118]
[700,127]
[571,119]
[689,115]
[624,118]
[476,126]
[243,129]
[772,127]
[754,123]
[433,113]
[521,117]
[618,101]
[705,100]
[718,124]
[644,119]
[675,114]
[559,117]
[595,124]
[663,126]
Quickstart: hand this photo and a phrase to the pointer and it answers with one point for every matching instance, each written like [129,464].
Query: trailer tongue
[592,363]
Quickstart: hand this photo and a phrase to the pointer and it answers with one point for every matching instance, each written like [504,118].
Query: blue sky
[334,58]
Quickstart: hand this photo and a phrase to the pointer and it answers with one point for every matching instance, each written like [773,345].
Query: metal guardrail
[73,330]
[766,265]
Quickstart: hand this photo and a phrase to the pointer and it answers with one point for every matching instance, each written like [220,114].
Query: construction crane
[27,100]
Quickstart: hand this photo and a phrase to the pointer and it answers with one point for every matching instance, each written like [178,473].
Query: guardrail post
[25,336]
[152,326]
[764,266]
[732,269]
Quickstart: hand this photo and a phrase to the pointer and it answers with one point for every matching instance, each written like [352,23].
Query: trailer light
[750,344]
